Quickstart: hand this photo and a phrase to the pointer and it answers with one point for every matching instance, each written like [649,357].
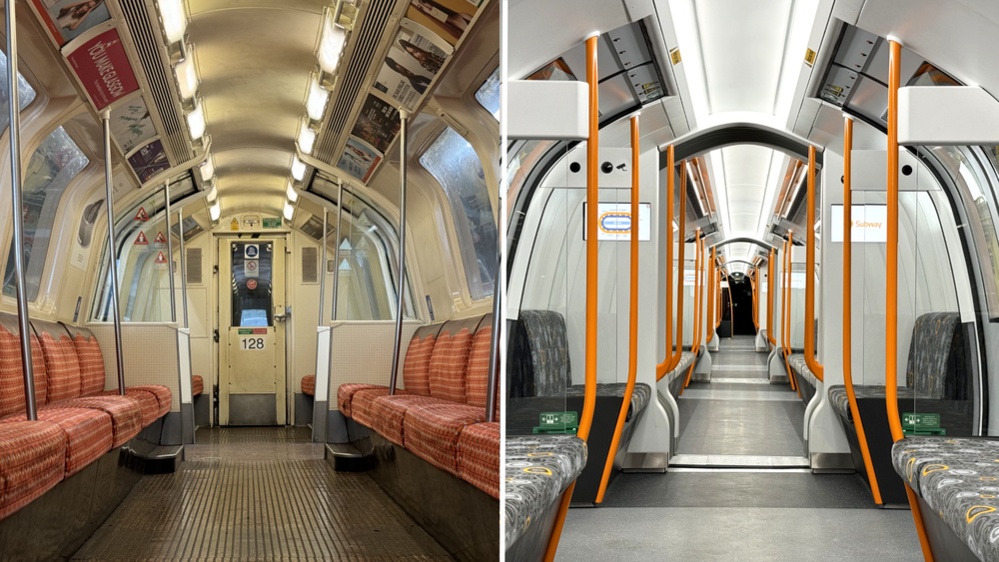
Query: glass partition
[25,93]
[52,167]
[488,95]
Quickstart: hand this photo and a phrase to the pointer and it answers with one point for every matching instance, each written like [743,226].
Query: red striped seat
[309,385]
[88,433]
[163,396]
[386,414]
[478,456]
[346,392]
[432,431]
[149,406]
[125,412]
[32,461]
[197,385]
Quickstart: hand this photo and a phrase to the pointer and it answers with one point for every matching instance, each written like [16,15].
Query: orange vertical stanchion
[718,298]
[592,255]
[632,317]
[664,367]
[810,361]
[678,353]
[712,280]
[891,275]
[695,340]
[770,299]
[786,317]
[847,303]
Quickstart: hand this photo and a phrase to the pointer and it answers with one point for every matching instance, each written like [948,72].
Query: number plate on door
[252,339]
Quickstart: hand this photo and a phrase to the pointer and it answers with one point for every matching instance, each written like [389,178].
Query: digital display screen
[614,222]
[870,223]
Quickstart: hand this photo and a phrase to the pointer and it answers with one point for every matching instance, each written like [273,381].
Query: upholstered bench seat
[387,414]
[88,433]
[309,385]
[478,456]
[538,469]
[431,431]
[959,479]
[345,395]
[687,359]
[32,461]
[841,402]
[639,397]
[798,364]
[125,413]
[149,406]
[197,385]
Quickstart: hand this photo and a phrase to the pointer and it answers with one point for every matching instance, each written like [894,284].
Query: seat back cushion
[416,368]
[11,368]
[538,355]
[88,351]
[938,358]
[61,362]
[477,377]
[450,359]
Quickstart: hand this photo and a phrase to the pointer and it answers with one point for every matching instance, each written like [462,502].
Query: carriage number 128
[253,343]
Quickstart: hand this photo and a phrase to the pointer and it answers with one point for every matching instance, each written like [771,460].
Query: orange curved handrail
[756,297]
[695,339]
[865,452]
[632,319]
[718,297]
[770,299]
[592,255]
[663,368]
[891,275]
[813,365]
[678,351]
[786,318]
[710,295]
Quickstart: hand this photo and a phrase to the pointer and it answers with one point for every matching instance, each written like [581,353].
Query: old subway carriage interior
[300,272]
[751,292]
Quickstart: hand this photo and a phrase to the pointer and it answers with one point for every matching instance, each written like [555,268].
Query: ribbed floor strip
[738,380]
[715,367]
[738,461]
[239,497]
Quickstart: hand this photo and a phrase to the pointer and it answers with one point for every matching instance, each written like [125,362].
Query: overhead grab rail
[663,368]
[891,279]
[813,365]
[592,255]
[872,477]
[695,342]
[632,318]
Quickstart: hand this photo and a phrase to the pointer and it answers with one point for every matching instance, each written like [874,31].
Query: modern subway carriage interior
[159,396]
[792,356]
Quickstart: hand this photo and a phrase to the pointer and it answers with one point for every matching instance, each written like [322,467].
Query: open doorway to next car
[252,332]
[741,310]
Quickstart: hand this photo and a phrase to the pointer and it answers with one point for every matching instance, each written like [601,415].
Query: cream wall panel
[361,351]
[149,352]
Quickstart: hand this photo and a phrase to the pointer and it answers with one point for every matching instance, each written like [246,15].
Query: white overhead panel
[548,110]
[955,115]
[747,169]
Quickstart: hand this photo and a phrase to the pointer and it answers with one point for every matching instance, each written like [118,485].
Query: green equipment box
[558,422]
[922,424]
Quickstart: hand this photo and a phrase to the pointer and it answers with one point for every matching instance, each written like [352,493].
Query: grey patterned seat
[840,401]
[639,397]
[687,359]
[538,469]
[798,365]
[959,479]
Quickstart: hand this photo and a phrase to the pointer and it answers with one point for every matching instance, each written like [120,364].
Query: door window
[252,295]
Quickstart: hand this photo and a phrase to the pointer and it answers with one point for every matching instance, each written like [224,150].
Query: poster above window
[414,60]
[131,125]
[68,19]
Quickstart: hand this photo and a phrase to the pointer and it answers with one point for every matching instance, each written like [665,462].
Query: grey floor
[259,494]
[739,514]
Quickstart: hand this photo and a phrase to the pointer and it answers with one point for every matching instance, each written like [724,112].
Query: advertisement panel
[359,159]
[377,124]
[68,19]
[415,58]
[449,18]
[103,69]
[149,160]
[131,125]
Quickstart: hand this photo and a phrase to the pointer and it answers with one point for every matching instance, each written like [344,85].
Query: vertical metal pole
[169,237]
[494,343]
[336,248]
[322,268]
[183,264]
[31,406]
[112,247]
[400,286]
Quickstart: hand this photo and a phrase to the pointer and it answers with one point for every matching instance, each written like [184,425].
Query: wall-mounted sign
[131,125]
[103,68]
[415,58]
[272,223]
[614,222]
[377,124]
[870,223]
[68,19]
[449,17]
[359,159]
[149,160]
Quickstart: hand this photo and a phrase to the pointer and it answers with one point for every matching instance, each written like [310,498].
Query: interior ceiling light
[331,43]
[292,194]
[289,210]
[774,180]
[315,104]
[208,168]
[306,138]
[196,121]
[718,168]
[187,75]
[799,30]
[297,169]
[174,19]
[215,211]
[213,194]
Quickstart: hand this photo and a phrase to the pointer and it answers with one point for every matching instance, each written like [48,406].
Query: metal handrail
[663,368]
[813,365]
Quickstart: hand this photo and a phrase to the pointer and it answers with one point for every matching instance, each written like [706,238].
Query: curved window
[457,168]
[26,94]
[53,165]
[488,95]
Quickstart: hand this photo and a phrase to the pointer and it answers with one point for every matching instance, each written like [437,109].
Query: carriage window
[53,165]
[489,94]
[457,168]
[25,93]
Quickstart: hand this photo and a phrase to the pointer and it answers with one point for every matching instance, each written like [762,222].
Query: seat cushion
[639,396]
[197,385]
[62,366]
[148,405]
[345,394]
[416,367]
[448,364]
[163,396]
[32,461]
[386,413]
[88,352]
[12,373]
[89,433]
[478,456]
[477,374]
[431,431]
[125,412]
[309,385]
[687,359]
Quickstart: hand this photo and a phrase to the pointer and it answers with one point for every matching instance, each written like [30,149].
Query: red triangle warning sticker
[160,239]
[141,239]
[160,258]
[141,215]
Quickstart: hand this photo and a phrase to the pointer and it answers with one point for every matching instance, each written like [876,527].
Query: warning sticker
[251,268]
[251,284]
[141,215]
[141,239]
[160,239]
[234,224]
[160,258]
[251,251]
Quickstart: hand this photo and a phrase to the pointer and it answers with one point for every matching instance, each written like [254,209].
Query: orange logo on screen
[251,284]
[866,224]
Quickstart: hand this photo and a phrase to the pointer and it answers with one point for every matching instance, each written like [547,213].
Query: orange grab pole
[681,273]
[718,298]
[710,316]
[891,315]
[695,340]
[664,367]
[754,283]
[847,303]
[632,318]
[813,364]
[770,299]
[786,317]
[592,255]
